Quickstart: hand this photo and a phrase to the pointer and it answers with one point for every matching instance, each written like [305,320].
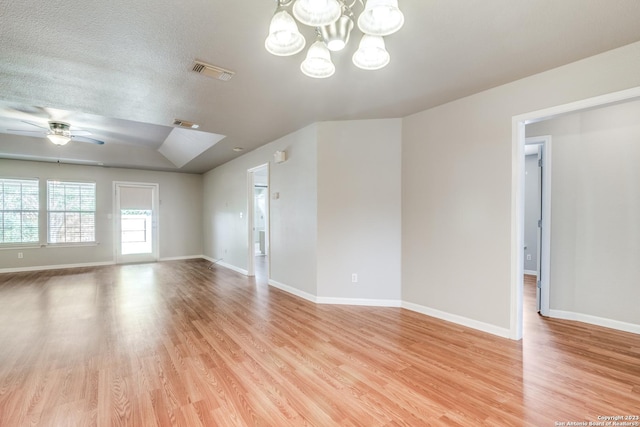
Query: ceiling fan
[60,133]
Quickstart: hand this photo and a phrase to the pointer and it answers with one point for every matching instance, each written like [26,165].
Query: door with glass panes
[136,222]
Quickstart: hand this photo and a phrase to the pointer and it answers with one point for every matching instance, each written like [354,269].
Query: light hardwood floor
[187,343]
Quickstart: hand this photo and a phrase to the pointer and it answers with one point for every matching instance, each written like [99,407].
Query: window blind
[19,209]
[71,212]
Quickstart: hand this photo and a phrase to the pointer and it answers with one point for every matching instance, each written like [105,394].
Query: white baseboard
[79,265]
[335,301]
[594,320]
[470,323]
[224,264]
[460,320]
[294,291]
[360,301]
[55,267]
[231,267]
[531,272]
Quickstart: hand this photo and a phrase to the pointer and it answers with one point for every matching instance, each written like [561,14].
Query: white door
[136,224]
[539,255]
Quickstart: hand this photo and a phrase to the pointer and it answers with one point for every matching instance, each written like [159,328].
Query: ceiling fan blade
[80,132]
[35,124]
[30,110]
[25,131]
[87,139]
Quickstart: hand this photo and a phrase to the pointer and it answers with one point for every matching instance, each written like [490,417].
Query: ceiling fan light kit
[58,139]
[334,21]
[60,133]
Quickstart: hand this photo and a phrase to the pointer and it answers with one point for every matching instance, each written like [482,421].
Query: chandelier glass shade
[316,13]
[318,62]
[371,54]
[333,21]
[381,18]
[284,38]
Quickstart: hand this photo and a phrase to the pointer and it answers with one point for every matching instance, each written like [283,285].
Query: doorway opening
[258,222]
[518,194]
[537,218]
[136,223]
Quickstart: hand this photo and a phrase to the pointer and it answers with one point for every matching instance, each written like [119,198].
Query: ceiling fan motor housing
[60,128]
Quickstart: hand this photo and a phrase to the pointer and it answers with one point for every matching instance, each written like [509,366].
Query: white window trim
[94,242]
[22,244]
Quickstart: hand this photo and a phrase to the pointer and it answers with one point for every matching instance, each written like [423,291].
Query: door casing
[518,124]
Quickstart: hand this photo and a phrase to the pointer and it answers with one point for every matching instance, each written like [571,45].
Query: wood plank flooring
[190,344]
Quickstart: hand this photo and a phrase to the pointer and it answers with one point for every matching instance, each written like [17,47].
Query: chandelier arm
[353,3]
[347,8]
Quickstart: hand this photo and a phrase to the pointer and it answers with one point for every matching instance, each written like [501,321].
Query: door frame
[544,249]
[251,270]
[155,220]
[518,124]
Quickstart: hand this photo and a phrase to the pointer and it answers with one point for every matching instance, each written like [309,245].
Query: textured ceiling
[121,69]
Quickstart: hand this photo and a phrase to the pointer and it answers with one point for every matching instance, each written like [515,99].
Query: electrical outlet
[20,255]
[354,278]
[528,257]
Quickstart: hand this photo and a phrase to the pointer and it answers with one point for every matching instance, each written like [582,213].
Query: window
[136,231]
[19,206]
[72,212]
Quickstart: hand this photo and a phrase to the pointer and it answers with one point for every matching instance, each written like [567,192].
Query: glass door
[136,223]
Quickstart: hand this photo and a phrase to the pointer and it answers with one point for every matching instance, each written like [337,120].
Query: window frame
[80,211]
[21,211]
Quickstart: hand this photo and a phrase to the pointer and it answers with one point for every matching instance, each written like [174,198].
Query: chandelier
[333,21]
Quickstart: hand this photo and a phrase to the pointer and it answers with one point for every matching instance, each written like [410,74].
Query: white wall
[293,215]
[338,211]
[179,218]
[359,218]
[595,222]
[456,195]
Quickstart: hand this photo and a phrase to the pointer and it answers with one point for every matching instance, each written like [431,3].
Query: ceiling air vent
[185,124]
[212,71]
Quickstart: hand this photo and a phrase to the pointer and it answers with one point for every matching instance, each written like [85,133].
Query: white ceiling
[122,70]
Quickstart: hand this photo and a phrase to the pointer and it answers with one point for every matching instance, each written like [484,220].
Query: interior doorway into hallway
[519,124]
[258,221]
[537,217]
